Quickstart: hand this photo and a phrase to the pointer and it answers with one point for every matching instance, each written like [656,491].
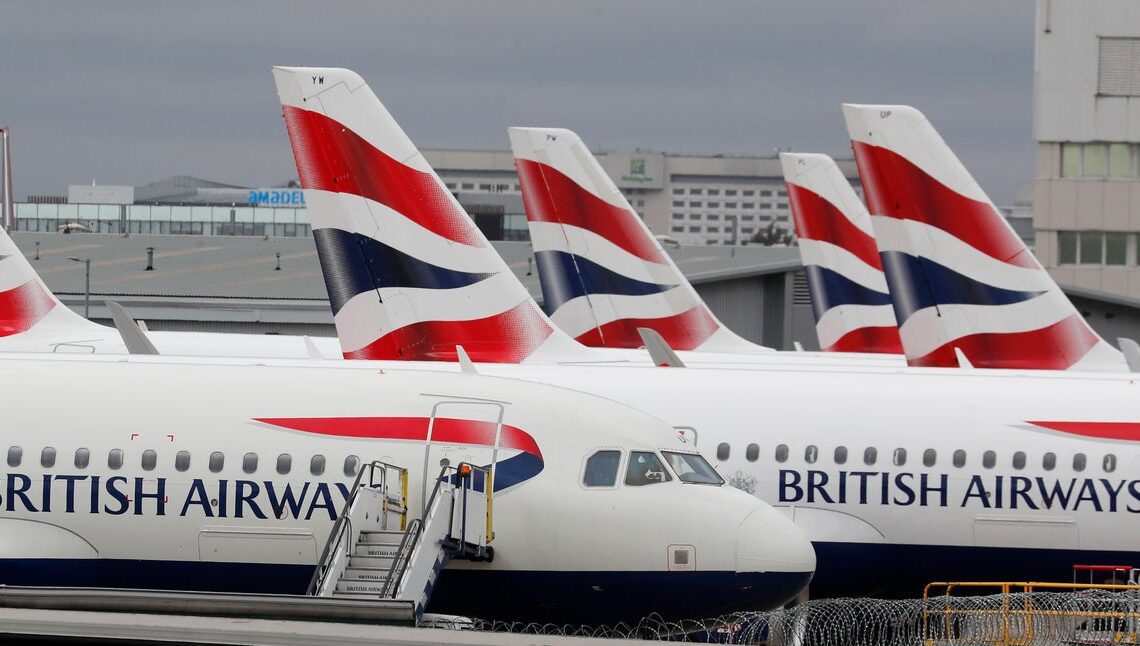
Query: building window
[694,229]
[678,216]
[1115,248]
[1095,248]
[765,193]
[677,229]
[695,191]
[713,216]
[730,205]
[1117,72]
[714,229]
[714,191]
[679,203]
[694,216]
[749,193]
[714,205]
[678,191]
[1098,160]
[695,204]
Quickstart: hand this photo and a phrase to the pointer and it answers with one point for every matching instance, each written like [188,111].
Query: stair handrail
[410,541]
[343,523]
[488,486]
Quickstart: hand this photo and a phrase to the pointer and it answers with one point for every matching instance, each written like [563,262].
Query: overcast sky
[128,93]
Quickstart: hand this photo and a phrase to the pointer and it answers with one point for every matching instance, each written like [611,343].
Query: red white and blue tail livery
[602,272]
[849,296]
[27,306]
[409,275]
[960,278]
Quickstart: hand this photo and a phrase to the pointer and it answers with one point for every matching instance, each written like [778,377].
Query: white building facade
[1087,126]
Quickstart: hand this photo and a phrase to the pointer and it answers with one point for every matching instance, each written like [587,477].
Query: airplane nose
[767,541]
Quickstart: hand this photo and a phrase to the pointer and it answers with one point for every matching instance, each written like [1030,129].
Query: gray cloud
[132,92]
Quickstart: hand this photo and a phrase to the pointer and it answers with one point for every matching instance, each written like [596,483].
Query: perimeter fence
[1014,617]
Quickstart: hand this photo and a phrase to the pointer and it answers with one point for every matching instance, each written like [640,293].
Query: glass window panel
[115,458]
[1049,461]
[645,468]
[1109,463]
[1119,160]
[249,463]
[870,455]
[782,453]
[1079,462]
[959,458]
[88,211]
[811,453]
[601,469]
[182,460]
[47,457]
[201,213]
[1019,460]
[351,465]
[82,458]
[929,456]
[1115,248]
[1092,248]
[899,457]
[109,211]
[722,451]
[752,452]
[317,465]
[263,214]
[989,459]
[180,213]
[841,455]
[284,463]
[1067,243]
[217,461]
[243,214]
[15,454]
[149,459]
[1096,160]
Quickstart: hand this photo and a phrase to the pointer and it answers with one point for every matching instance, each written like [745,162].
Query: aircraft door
[461,431]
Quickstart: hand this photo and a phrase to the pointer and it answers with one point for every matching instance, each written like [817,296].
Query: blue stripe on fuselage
[355,263]
[564,277]
[917,283]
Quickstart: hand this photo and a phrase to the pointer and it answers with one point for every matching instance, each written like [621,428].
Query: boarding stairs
[375,552]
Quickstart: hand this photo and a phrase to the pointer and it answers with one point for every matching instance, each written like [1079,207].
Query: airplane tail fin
[959,276]
[408,273]
[26,304]
[849,296]
[602,272]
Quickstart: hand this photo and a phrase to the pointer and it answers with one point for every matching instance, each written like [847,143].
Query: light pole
[86,284]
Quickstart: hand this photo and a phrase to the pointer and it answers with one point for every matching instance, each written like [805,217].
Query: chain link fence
[1084,617]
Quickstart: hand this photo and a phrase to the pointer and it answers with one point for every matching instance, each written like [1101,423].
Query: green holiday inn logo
[636,172]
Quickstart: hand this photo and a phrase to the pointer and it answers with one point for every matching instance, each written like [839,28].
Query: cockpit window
[645,468]
[692,467]
[601,469]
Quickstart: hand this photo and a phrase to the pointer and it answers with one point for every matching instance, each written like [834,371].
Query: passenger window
[870,455]
[115,459]
[811,453]
[752,452]
[217,461]
[351,465]
[182,460]
[47,457]
[1079,462]
[645,468]
[82,458]
[249,463]
[929,457]
[899,457]
[782,453]
[722,451]
[284,463]
[317,465]
[1109,463]
[1049,461]
[841,455]
[149,459]
[1019,460]
[601,469]
[15,455]
[959,458]
[989,459]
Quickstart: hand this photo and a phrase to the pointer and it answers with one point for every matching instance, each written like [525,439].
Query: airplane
[32,319]
[850,301]
[777,431]
[237,490]
[602,273]
[965,288]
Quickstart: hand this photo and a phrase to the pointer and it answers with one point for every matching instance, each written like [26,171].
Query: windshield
[692,467]
[645,468]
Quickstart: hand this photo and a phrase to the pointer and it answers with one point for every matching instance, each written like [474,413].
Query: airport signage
[636,170]
[276,197]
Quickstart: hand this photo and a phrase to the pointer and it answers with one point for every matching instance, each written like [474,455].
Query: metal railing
[409,542]
[342,529]
[1027,612]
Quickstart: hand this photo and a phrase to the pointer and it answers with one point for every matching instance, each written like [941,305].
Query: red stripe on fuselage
[817,219]
[446,430]
[1056,347]
[894,187]
[684,331]
[509,337]
[883,339]
[22,307]
[1128,431]
[330,157]
[550,196]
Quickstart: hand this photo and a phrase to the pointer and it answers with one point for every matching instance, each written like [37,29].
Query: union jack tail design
[26,304]
[959,276]
[603,274]
[409,276]
[849,296]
